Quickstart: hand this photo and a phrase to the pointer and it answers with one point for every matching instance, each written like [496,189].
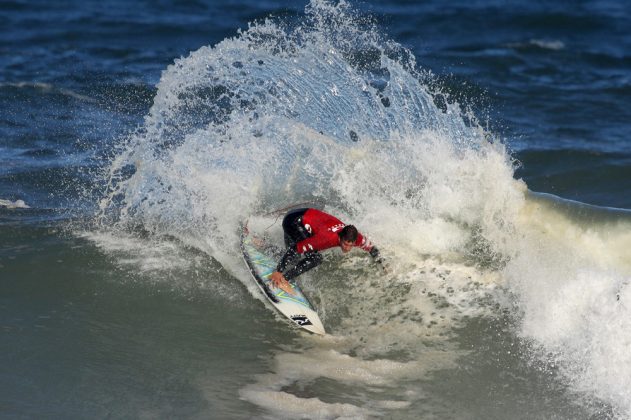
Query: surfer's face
[346,246]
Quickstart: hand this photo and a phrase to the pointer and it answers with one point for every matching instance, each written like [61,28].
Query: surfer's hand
[279,281]
[376,256]
[374,253]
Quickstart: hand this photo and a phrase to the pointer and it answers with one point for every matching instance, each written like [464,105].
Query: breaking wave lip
[17,204]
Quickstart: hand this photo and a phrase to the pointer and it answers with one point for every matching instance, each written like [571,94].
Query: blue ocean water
[131,143]
[552,80]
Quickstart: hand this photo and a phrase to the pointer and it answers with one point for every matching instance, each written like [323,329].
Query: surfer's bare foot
[287,287]
[279,281]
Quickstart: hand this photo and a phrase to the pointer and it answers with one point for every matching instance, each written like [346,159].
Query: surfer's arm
[317,242]
[365,244]
[375,254]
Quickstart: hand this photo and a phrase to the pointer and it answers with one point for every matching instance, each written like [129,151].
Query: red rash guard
[324,228]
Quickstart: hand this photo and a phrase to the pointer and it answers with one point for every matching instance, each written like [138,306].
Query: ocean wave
[544,44]
[330,111]
[17,204]
[47,88]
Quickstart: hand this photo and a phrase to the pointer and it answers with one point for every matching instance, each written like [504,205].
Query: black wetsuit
[295,232]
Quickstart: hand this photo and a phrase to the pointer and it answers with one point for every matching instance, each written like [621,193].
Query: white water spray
[329,111]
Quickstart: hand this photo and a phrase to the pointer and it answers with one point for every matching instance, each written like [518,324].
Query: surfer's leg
[289,256]
[311,260]
[294,232]
[293,229]
[289,242]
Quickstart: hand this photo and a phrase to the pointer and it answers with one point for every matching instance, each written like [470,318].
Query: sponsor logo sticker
[301,320]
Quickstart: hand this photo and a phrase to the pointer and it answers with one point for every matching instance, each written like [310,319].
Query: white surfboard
[261,262]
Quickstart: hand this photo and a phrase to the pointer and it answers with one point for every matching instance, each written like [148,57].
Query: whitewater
[326,110]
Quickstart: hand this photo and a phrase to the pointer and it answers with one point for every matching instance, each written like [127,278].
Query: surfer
[308,231]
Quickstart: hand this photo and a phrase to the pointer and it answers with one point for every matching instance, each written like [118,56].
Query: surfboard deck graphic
[261,260]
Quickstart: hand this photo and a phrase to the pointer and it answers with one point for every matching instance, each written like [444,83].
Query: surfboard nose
[316,327]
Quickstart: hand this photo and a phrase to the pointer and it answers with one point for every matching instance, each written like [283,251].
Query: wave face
[326,110]
[570,270]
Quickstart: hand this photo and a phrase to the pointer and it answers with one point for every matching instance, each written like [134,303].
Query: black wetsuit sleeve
[289,255]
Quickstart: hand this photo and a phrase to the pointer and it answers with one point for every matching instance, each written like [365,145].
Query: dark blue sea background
[552,79]
[85,334]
